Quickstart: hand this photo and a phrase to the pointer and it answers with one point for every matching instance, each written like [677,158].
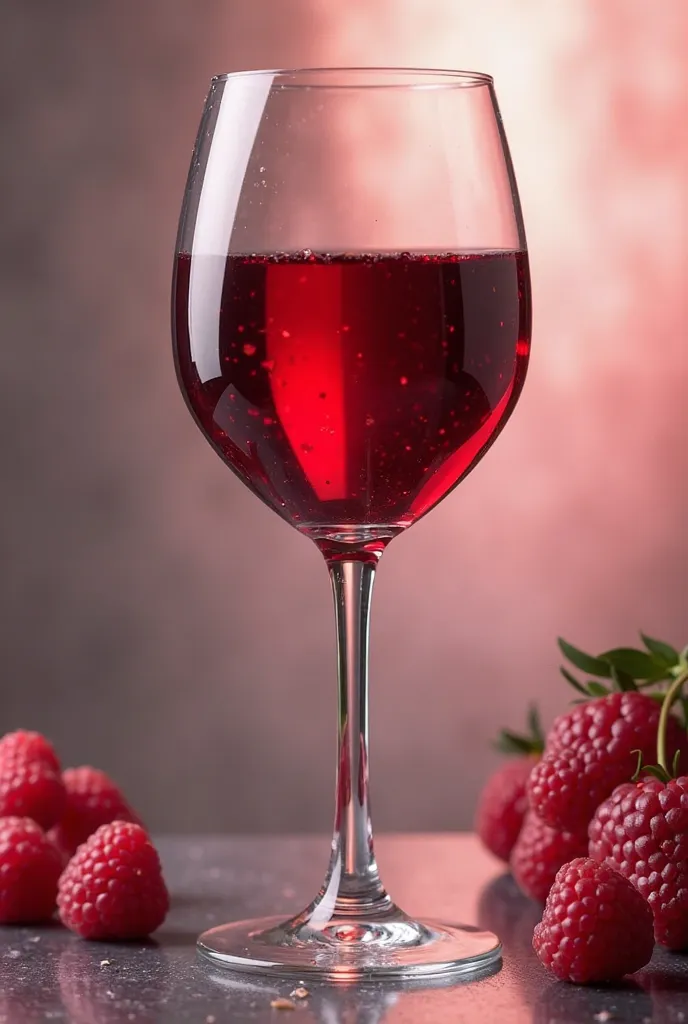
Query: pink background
[155,618]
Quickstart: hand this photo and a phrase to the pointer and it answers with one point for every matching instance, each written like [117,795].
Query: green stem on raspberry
[671,695]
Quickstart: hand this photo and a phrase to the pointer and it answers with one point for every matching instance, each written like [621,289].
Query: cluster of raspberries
[69,840]
[607,856]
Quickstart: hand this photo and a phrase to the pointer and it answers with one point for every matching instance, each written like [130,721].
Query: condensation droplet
[403,381]
[286,334]
[249,350]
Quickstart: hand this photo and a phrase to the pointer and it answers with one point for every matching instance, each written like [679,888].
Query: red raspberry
[30,867]
[595,926]
[502,806]
[642,831]
[30,789]
[30,746]
[590,751]
[93,800]
[539,853]
[113,886]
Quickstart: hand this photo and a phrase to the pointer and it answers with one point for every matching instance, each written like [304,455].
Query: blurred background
[155,618]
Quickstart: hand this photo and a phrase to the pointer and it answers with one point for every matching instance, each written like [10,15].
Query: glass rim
[322,78]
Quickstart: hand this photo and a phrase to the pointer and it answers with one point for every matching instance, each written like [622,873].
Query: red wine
[352,390]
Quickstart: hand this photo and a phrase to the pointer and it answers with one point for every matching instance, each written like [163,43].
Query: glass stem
[353,887]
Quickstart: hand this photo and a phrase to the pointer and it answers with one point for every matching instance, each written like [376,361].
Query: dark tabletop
[48,974]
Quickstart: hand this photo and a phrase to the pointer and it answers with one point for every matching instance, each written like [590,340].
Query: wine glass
[351,320]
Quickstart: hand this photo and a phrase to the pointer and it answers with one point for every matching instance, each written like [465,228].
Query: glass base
[351,950]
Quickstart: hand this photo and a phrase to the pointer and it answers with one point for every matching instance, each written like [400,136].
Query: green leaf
[597,689]
[533,742]
[644,684]
[623,680]
[511,743]
[535,726]
[637,664]
[657,771]
[585,662]
[573,681]
[665,653]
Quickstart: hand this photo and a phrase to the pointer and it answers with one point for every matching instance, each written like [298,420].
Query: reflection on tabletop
[361,1003]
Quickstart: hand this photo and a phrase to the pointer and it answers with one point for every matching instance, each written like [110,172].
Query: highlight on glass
[351,322]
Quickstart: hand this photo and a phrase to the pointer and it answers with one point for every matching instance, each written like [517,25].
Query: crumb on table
[282,1004]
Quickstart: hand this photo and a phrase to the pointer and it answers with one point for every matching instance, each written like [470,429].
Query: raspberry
[539,853]
[30,746]
[502,806]
[93,800]
[642,831]
[113,886]
[590,751]
[595,927]
[30,789]
[30,867]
